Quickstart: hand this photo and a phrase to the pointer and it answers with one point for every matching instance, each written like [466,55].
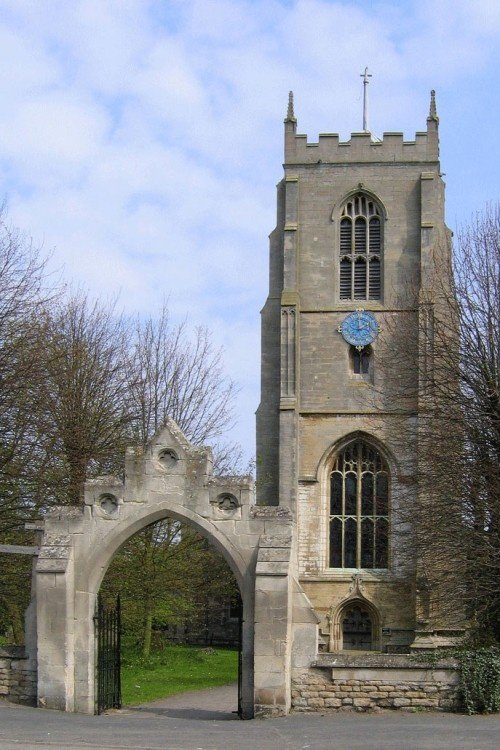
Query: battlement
[362,147]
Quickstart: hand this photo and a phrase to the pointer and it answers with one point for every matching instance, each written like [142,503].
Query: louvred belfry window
[359,508]
[360,249]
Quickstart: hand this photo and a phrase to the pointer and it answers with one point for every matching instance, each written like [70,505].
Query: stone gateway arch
[170,478]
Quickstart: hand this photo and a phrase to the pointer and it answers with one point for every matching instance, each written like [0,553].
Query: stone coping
[372,660]
[13,652]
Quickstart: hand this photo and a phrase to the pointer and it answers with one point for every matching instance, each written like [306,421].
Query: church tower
[359,225]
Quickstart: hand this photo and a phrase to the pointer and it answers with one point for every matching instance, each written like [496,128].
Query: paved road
[203,721]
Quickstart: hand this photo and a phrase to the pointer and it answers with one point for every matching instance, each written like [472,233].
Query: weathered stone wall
[17,676]
[339,682]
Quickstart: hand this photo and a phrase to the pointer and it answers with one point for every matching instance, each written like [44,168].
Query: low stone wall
[375,681]
[17,676]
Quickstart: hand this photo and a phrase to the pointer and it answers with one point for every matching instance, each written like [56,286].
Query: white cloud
[142,141]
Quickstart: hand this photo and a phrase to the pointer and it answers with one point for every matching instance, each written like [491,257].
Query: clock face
[359,328]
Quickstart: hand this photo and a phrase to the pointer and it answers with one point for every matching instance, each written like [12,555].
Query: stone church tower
[351,266]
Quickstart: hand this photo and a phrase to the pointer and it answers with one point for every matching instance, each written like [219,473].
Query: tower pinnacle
[432,108]
[290,117]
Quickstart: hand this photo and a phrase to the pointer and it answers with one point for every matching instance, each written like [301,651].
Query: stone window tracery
[359,508]
[361,249]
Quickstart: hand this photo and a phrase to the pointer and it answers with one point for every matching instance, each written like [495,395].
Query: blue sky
[141,141]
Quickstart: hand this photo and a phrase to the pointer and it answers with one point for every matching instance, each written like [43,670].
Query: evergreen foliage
[480,679]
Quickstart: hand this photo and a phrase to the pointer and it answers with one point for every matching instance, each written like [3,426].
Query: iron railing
[108,662]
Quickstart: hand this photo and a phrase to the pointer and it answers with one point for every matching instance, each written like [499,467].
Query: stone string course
[314,690]
[17,676]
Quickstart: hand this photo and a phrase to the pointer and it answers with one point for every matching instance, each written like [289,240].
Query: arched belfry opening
[361,245]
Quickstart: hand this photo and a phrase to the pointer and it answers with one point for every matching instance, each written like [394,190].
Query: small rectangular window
[361,360]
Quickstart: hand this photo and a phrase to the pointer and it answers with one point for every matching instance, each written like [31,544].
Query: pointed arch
[361,219]
[356,476]
[360,188]
[328,456]
[93,569]
[338,614]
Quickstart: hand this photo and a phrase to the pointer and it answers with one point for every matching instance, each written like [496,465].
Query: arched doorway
[357,628]
[91,574]
[355,622]
[180,619]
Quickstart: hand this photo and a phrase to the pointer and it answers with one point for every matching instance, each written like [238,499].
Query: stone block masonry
[398,682]
[17,676]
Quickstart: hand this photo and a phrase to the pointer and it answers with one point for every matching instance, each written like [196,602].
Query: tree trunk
[148,598]
[148,629]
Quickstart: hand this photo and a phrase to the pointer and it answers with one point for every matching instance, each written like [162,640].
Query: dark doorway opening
[357,629]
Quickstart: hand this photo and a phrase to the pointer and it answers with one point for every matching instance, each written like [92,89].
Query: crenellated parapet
[362,147]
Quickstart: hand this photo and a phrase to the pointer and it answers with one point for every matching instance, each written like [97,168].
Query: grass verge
[175,669]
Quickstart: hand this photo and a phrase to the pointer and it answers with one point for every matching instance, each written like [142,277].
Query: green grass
[175,669]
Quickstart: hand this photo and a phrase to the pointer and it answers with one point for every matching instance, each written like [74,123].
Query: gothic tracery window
[360,249]
[359,508]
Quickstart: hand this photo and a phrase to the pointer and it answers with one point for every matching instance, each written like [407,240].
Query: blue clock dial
[359,328]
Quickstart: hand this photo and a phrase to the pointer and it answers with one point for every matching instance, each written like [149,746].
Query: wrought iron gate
[107,636]
[240,665]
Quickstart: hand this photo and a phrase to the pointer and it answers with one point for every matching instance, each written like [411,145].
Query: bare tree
[77,385]
[450,378]
[23,295]
[477,278]
[81,419]
[170,374]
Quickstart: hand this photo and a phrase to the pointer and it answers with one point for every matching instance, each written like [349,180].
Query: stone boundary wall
[397,682]
[17,676]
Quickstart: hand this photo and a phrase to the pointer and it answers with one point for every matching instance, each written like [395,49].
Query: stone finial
[290,117]
[432,109]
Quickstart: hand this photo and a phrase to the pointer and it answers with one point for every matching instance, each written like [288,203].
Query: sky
[141,140]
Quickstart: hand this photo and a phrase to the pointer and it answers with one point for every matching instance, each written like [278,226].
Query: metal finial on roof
[365,76]
[432,109]
[290,117]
